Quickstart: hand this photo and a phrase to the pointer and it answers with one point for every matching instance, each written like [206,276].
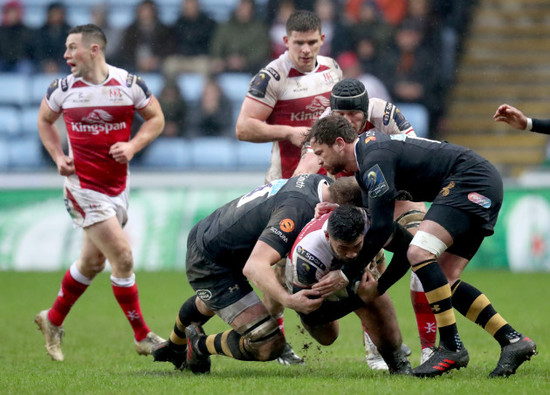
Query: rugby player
[98,102]
[466,194]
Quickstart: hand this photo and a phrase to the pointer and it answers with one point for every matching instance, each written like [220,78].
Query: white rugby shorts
[87,207]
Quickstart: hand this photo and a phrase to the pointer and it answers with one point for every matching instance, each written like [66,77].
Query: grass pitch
[100,357]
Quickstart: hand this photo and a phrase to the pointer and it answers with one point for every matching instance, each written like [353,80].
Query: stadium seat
[10,123]
[209,153]
[191,86]
[168,152]
[121,16]
[418,116]
[3,154]
[235,85]
[14,89]
[25,152]
[29,117]
[220,10]
[78,13]
[39,84]
[253,156]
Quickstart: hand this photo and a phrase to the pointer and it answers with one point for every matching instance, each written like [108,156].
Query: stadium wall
[36,233]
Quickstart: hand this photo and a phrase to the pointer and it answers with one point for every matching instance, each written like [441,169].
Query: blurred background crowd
[198,56]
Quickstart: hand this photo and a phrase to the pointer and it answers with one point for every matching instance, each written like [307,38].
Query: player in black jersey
[466,194]
[238,243]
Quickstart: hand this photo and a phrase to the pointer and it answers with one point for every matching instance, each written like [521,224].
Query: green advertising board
[37,234]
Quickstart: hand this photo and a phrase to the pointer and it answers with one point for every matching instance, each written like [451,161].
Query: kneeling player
[322,249]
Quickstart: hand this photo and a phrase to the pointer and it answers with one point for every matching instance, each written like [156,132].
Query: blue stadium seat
[39,84]
[168,152]
[34,15]
[14,89]
[209,153]
[219,10]
[3,154]
[121,16]
[29,118]
[78,14]
[235,85]
[154,81]
[191,86]
[10,123]
[25,152]
[418,116]
[253,156]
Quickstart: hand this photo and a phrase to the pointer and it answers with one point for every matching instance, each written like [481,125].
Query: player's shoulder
[327,61]
[60,86]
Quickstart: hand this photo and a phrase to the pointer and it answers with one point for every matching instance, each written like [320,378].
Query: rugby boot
[442,361]
[145,347]
[513,355]
[289,357]
[163,352]
[425,354]
[197,362]
[52,334]
[397,362]
[373,357]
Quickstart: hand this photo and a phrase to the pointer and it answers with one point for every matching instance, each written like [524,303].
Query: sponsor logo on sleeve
[387,113]
[53,86]
[64,84]
[258,86]
[286,225]
[274,73]
[400,120]
[376,182]
[143,86]
[479,199]
[129,80]
[446,190]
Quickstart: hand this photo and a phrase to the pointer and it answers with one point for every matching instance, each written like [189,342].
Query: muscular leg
[255,336]
[109,238]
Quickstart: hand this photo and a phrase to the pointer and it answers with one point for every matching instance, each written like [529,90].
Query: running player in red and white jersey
[283,101]
[286,97]
[98,102]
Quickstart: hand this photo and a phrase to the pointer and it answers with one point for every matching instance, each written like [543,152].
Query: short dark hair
[346,190]
[303,21]
[346,223]
[91,32]
[325,130]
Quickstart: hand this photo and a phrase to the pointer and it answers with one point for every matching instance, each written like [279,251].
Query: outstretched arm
[512,116]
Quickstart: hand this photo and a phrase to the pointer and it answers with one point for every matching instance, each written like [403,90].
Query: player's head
[303,39]
[91,34]
[328,138]
[350,99]
[85,47]
[346,228]
[346,190]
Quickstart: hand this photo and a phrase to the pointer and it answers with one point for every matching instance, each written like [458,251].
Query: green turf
[100,358]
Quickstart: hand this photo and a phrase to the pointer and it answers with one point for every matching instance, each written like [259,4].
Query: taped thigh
[260,331]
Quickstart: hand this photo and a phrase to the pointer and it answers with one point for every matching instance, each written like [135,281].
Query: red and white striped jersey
[96,117]
[296,99]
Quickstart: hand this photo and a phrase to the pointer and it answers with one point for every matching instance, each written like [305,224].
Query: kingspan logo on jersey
[316,108]
[98,121]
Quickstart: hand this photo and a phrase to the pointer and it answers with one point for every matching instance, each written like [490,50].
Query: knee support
[410,219]
[260,331]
